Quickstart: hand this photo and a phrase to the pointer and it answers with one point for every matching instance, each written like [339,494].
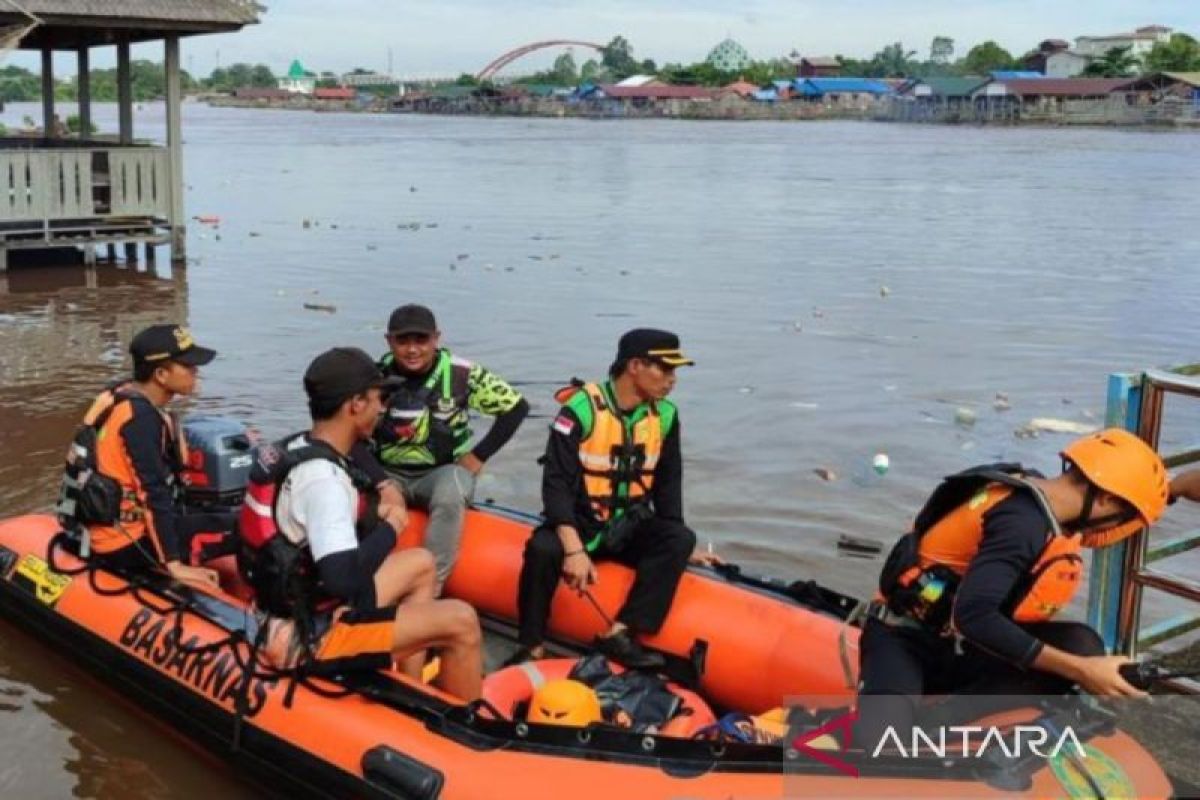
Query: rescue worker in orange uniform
[966,599]
[612,488]
[139,448]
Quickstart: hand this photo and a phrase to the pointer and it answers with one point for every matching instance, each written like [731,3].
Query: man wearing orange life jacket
[612,488]
[966,599]
[140,449]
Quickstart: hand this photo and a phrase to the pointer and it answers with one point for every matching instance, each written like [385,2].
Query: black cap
[654,345]
[163,343]
[341,373]
[412,318]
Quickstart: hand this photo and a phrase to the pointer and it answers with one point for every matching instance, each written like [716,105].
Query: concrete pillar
[175,147]
[85,94]
[131,252]
[124,94]
[47,92]
[110,253]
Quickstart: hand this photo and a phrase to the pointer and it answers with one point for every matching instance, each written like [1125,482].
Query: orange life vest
[923,570]
[1051,583]
[113,460]
[618,452]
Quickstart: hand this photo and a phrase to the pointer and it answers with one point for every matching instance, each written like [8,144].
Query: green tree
[261,77]
[941,50]
[1179,54]
[565,72]
[466,79]
[1118,62]
[984,58]
[590,69]
[617,59]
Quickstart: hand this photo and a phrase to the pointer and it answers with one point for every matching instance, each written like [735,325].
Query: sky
[448,37]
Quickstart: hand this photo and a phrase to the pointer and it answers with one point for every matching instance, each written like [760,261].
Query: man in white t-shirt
[388,606]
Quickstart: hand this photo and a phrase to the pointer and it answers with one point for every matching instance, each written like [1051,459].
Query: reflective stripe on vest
[619,453]
[113,460]
[1051,583]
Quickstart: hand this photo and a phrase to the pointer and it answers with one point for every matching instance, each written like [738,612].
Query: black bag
[87,497]
[636,700]
[618,533]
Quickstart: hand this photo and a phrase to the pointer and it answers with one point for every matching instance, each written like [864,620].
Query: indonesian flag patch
[564,424]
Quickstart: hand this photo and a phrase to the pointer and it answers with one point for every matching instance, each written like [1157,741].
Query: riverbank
[1101,114]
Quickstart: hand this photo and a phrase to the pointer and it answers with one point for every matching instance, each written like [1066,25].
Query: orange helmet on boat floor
[1121,464]
[565,702]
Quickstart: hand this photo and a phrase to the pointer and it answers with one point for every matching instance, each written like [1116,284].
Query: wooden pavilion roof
[69,24]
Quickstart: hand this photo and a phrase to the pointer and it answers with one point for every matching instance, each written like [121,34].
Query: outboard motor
[220,454]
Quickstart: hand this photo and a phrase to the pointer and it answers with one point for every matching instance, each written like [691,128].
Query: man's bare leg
[451,626]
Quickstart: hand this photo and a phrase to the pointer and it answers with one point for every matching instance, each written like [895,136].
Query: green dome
[729,56]
[296,70]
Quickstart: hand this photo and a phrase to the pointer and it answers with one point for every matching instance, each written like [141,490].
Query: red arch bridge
[520,52]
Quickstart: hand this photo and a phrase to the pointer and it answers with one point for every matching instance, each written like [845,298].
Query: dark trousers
[658,551]
[900,665]
[203,535]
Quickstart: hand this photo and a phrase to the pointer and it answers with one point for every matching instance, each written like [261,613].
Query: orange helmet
[1118,462]
[564,702]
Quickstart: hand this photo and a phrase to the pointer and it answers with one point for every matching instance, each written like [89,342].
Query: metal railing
[1121,573]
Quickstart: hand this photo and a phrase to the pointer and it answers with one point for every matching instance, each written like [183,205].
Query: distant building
[1036,61]
[729,56]
[1139,42]
[846,93]
[339,93]
[365,80]
[743,89]
[641,80]
[819,67]
[1066,64]
[298,80]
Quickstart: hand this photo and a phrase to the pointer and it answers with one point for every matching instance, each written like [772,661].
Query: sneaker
[625,650]
[521,655]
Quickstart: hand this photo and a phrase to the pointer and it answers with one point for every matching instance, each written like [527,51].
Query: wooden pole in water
[85,94]
[124,94]
[175,147]
[47,92]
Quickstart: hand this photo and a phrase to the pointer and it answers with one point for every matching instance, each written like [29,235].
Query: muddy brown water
[844,288]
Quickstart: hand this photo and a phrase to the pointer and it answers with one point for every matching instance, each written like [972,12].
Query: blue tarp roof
[781,85]
[767,95]
[817,87]
[1014,74]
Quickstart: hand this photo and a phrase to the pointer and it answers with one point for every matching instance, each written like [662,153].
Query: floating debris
[453,266]
[797,327]
[334,226]
[431,224]
[1052,425]
[217,236]
[328,308]
[488,267]
[964,417]
[818,313]
[255,234]
[806,406]
[859,546]
[412,188]
[553,257]
[1000,402]
[535,258]
[624,272]
[825,474]
[510,269]
[746,390]
[1066,401]
[884,291]
[881,463]
[207,219]
[463,256]
[306,224]
[411,226]
[372,247]
[969,444]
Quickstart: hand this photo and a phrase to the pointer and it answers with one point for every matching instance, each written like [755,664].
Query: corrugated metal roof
[1015,74]
[949,87]
[657,92]
[1161,79]
[822,61]
[1063,87]
[817,87]
[227,12]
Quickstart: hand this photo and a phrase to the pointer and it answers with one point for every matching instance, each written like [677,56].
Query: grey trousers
[444,492]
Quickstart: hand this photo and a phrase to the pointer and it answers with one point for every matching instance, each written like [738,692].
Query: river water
[846,288]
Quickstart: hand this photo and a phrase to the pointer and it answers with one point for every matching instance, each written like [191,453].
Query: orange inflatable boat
[748,643]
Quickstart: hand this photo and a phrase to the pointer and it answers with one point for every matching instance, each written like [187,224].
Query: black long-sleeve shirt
[1015,532]
[563,497]
[149,443]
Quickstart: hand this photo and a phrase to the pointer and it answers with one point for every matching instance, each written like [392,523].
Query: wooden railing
[45,185]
